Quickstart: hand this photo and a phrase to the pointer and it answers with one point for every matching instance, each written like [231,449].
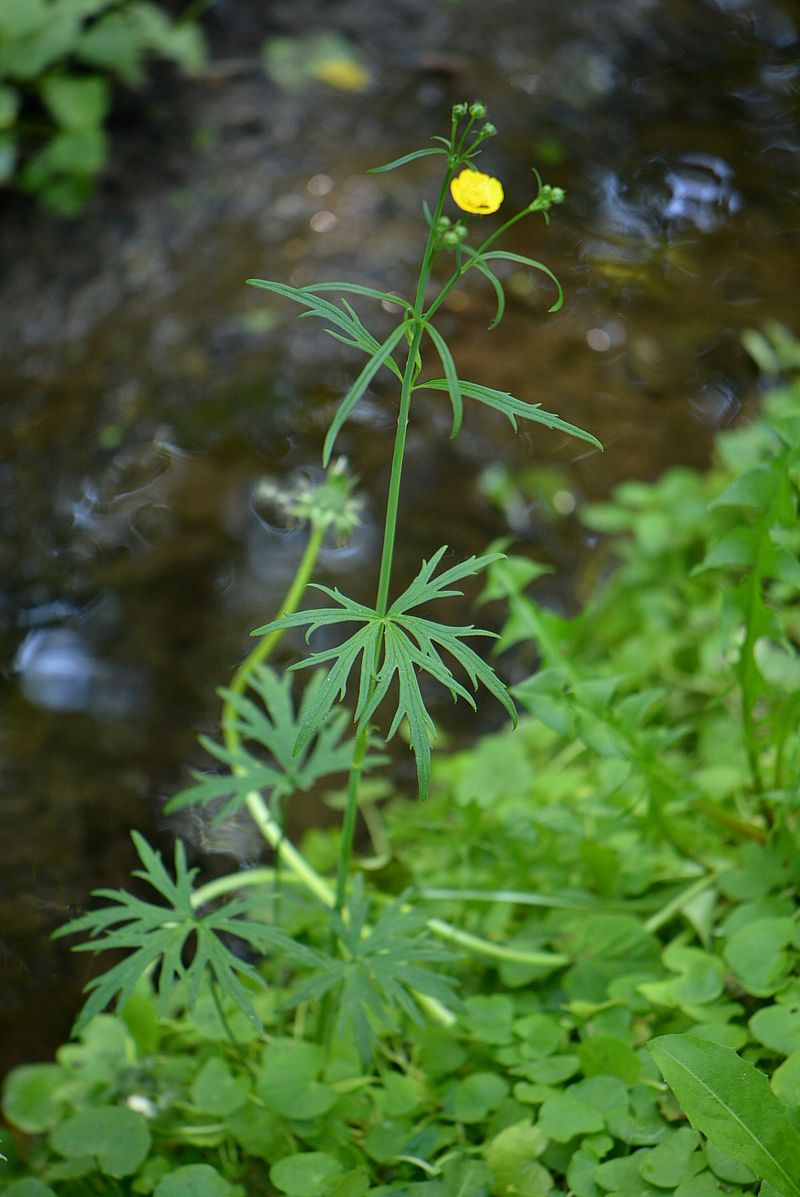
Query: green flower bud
[459,110]
[488,130]
[477,110]
[451,239]
[442,223]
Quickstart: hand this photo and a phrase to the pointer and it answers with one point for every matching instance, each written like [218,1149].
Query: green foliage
[159,935]
[58,59]
[273,727]
[396,645]
[602,947]
[618,877]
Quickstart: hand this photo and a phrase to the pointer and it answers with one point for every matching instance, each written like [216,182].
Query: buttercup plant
[382,970]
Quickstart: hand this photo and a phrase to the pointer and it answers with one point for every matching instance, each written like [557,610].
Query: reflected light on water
[59,672]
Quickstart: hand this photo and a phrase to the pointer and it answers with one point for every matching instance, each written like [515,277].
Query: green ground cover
[573,968]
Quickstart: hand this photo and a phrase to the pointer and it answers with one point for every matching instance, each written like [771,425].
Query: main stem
[389,535]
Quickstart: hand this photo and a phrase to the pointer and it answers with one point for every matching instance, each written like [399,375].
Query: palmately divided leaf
[375,969]
[395,647]
[512,407]
[273,726]
[182,943]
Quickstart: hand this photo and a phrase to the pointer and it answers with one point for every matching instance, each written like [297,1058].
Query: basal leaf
[731,1102]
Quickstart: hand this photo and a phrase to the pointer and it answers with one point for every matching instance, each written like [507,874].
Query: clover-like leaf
[185,945]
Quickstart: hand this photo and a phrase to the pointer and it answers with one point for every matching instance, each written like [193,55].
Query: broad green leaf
[563,1117]
[193,1180]
[305,1174]
[675,1159]
[735,550]
[287,1082]
[477,1095]
[752,489]
[731,1103]
[511,407]
[513,1158]
[757,953]
[602,1055]
[76,102]
[216,1090]
[30,1097]
[427,153]
[28,1187]
[117,1138]
[778,1028]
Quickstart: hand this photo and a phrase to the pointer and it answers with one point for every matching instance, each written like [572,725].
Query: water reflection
[58,671]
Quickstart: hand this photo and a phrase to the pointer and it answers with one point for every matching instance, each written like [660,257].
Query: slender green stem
[349,819]
[484,947]
[676,905]
[465,266]
[389,534]
[266,644]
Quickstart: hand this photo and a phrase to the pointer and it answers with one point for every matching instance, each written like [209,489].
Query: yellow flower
[474,192]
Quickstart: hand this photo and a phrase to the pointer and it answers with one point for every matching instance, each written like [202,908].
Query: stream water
[147,391]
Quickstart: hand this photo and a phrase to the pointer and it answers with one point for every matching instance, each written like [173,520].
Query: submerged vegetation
[572,969]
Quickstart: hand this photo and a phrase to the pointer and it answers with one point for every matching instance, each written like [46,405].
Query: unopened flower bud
[477,110]
[459,110]
[451,239]
[442,223]
[488,130]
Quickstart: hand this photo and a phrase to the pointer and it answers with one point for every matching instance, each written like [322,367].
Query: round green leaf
[477,1095]
[79,102]
[602,1055]
[29,1100]
[778,1028]
[562,1118]
[512,1157]
[195,1180]
[118,1139]
[29,1187]
[216,1090]
[304,1173]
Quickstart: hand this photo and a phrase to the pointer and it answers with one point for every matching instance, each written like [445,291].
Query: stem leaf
[379,358]
[512,407]
[427,153]
[731,1103]
[505,255]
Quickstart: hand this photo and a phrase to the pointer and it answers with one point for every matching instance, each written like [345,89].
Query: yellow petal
[475,192]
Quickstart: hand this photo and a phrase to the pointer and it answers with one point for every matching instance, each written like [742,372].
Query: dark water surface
[146,390]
